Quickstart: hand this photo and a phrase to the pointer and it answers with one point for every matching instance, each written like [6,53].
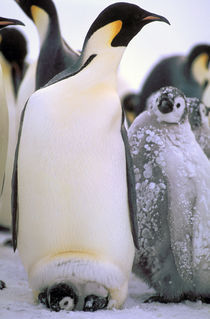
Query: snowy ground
[16,300]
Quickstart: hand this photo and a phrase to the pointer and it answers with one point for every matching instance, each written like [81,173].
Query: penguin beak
[154,17]
[5,22]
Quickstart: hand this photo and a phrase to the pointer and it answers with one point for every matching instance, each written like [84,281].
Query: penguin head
[115,27]
[198,113]
[13,45]
[4,22]
[32,8]
[169,105]
[198,64]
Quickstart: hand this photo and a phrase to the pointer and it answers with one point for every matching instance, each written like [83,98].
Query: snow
[16,301]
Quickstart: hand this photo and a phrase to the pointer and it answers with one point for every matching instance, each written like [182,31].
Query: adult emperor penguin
[72,226]
[188,73]
[55,55]
[11,57]
[4,120]
[172,188]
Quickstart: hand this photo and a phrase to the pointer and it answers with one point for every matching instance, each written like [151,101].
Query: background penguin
[12,53]
[4,119]
[172,189]
[12,58]
[55,55]
[71,153]
[187,73]
[198,118]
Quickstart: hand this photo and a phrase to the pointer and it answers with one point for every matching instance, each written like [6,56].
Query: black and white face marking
[126,21]
[169,105]
[46,5]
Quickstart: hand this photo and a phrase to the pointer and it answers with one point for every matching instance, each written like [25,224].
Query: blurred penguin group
[95,185]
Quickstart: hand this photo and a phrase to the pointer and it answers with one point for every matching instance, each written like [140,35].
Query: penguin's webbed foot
[161,299]
[2,285]
[93,303]
[59,297]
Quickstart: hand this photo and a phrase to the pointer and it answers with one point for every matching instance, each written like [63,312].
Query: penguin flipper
[130,184]
[14,195]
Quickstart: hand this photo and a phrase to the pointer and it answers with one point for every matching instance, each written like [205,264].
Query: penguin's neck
[8,81]
[43,23]
[103,68]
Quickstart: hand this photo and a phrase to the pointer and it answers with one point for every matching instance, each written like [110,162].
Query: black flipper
[14,195]
[130,184]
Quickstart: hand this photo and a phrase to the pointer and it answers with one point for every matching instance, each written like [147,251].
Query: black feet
[184,297]
[93,303]
[59,297]
[2,285]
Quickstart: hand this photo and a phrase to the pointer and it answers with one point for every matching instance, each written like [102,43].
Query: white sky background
[190,25]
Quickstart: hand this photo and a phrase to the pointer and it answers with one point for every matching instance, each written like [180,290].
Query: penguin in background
[198,118]
[4,22]
[172,189]
[12,60]
[72,226]
[55,55]
[187,73]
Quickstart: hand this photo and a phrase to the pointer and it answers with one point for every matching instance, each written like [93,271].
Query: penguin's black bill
[7,22]
[154,17]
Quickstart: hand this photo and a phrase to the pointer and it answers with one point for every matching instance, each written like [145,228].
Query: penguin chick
[72,224]
[187,73]
[172,188]
[11,60]
[198,118]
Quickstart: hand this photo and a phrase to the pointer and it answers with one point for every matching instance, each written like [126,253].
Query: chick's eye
[178,105]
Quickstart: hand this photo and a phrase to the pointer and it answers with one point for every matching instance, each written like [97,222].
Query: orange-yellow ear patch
[199,68]
[116,26]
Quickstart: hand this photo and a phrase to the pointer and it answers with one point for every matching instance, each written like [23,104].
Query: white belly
[72,187]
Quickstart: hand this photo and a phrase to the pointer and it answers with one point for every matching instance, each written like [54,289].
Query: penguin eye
[178,105]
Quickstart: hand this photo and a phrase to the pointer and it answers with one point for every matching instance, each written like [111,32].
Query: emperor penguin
[172,189]
[188,73]
[70,197]
[4,121]
[12,55]
[55,54]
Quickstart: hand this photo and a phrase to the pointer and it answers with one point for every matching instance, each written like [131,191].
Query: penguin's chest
[79,173]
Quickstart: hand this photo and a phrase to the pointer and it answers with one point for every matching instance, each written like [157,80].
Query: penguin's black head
[127,20]
[13,45]
[4,22]
[169,104]
[29,6]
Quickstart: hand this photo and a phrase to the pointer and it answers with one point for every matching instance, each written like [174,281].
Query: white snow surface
[16,301]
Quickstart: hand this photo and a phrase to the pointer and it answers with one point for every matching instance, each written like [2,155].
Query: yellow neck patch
[115,26]
[199,68]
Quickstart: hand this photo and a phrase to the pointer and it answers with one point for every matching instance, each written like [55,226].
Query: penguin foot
[161,299]
[93,303]
[2,285]
[8,242]
[59,297]
[205,299]
[4,229]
